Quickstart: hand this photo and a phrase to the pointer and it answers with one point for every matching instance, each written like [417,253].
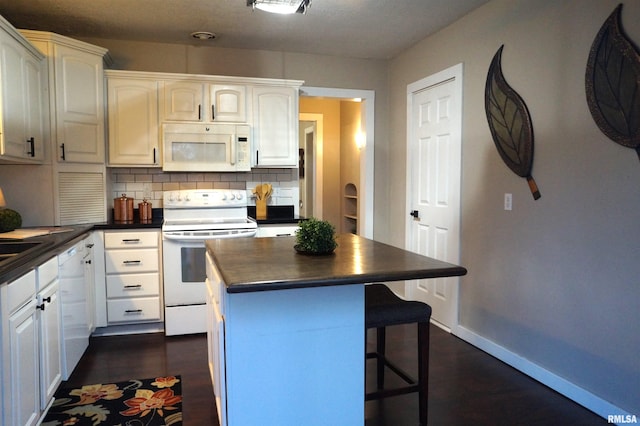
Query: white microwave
[198,147]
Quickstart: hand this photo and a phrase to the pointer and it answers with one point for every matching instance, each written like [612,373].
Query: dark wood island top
[263,264]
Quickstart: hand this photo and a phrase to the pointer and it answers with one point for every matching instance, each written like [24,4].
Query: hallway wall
[554,282]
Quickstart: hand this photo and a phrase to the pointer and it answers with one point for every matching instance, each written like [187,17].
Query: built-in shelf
[350,209]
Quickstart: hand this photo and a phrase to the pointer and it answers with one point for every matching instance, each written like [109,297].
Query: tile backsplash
[150,183]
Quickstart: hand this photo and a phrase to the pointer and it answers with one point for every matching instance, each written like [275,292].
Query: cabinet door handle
[63,156]
[199,112]
[32,150]
[129,262]
[131,240]
[44,301]
[133,311]
[132,287]
[154,156]
[213,112]
[257,157]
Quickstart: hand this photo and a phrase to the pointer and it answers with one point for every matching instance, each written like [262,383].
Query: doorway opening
[318,198]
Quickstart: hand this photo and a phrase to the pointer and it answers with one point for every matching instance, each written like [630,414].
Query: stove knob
[232,196]
[239,195]
[187,198]
[172,197]
[224,196]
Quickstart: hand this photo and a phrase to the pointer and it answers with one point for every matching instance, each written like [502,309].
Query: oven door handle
[181,237]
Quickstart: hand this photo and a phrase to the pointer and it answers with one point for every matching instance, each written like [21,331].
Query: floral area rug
[147,402]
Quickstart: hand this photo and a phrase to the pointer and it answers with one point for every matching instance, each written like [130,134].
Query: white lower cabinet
[22,402]
[31,369]
[50,326]
[132,276]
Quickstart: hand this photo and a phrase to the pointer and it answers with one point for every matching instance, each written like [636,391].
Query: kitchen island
[286,330]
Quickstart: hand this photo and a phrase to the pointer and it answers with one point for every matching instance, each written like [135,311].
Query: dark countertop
[156,222]
[261,264]
[50,245]
[276,215]
[54,243]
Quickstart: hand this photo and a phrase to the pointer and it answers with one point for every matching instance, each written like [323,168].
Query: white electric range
[190,218]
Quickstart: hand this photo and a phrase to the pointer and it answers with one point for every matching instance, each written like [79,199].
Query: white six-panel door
[433,185]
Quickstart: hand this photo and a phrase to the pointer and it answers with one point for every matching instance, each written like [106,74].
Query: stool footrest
[384,393]
[399,372]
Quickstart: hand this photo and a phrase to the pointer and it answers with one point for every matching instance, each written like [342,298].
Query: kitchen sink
[11,249]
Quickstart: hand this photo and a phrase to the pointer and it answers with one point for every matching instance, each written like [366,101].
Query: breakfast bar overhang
[286,330]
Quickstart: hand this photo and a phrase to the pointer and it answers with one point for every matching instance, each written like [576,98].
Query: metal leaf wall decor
[613,83]
[510,123]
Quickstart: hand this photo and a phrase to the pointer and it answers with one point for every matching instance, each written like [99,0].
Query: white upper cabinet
[79,106]
[76,82]
[133,120]
[228,103]
[35,75]
[183,101]
[203,101]
[22,89]
[140,102]
[275,131]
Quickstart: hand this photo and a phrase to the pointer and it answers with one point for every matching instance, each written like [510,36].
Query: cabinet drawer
[276,231]
[133,285]
[21,290]
[133,310]
[47,272]
[125,240]
[131,261]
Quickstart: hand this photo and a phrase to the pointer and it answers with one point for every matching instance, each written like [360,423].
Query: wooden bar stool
[382,309]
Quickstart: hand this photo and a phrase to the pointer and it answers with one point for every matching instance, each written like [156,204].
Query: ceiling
[372,29]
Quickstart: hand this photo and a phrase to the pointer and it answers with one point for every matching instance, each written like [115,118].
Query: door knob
[415,214]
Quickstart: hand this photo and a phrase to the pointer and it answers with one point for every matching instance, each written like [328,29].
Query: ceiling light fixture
[283,7]
[203,35]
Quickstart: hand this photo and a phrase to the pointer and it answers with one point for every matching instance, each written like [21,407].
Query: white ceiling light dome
[283,7]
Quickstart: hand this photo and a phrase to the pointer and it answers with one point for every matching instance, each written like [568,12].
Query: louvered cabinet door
[81,196]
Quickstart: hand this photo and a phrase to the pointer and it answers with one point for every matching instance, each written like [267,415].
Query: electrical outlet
[508,201]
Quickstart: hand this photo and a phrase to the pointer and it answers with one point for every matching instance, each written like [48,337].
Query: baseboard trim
[546,377]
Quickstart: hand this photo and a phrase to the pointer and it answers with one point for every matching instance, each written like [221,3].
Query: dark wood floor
[466,386]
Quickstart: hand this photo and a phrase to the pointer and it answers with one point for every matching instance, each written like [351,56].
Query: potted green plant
[9,219]
[315,237]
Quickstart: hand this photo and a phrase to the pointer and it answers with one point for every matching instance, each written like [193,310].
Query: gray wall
[556,281]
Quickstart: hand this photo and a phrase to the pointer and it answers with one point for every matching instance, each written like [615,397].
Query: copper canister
[123,209]
[144,211]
